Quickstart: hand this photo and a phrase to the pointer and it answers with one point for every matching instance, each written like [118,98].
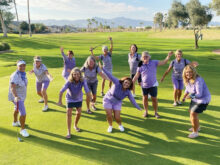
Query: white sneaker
[179,102]
[121,128]
[175,104]
[193,135]
[45,108]
[41,100]
[191,129]
[24,133]
[109,129]
[134,95]
[16,124]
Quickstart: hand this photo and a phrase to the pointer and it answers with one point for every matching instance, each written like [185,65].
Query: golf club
[99,45]
[19,139]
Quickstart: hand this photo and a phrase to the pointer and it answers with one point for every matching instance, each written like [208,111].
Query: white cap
[21,63]
[104,48]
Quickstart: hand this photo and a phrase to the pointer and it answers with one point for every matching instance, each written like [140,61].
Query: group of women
[142,68]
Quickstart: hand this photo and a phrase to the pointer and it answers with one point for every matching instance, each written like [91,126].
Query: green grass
[145,141]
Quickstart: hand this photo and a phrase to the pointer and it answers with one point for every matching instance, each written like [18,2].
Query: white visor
[21,63]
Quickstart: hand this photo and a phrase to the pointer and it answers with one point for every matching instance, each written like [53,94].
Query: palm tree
[3,4]
[19,28]
[29,20]
[89,24]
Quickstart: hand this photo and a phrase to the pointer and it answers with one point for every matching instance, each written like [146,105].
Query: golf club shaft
[100,44]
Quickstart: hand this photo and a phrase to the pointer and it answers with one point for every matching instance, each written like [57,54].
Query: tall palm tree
[29,20]
[19,28]
[3,4]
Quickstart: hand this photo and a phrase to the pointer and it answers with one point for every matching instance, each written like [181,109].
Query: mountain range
[114,22]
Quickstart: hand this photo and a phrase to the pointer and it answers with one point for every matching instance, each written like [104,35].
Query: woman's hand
[61,49]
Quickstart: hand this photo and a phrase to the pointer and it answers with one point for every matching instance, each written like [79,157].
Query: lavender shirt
[133,62]
[148,74]
[201,91]
[107,61]
[74,91]
[40,73]
[178,68]
[116,94]
[68,64]
[90,75]
[21,86]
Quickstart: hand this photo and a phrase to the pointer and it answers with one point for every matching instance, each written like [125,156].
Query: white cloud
[78,8]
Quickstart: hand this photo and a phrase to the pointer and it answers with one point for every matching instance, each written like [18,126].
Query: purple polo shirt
[178,68]
[148,73]
[74,91]
[133,62]
[91,75]
[107,61]
[68,64]
[201,91]
[116,94]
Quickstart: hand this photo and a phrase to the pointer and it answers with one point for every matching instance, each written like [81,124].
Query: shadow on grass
[107,150]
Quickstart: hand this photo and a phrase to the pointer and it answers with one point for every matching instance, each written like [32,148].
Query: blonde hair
[186,81]
[71,78]
[178,51]
[86,64]
[145,53]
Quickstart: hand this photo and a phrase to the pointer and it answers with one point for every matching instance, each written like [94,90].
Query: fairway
[145,141]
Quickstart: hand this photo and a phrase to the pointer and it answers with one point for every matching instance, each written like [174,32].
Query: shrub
[4,46]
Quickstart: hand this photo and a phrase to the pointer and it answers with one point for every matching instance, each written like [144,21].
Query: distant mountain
[115,22]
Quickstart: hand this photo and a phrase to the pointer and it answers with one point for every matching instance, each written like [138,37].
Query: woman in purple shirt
[133,60]
[178,65]
[112,101]
[90,70]
[198,92]
[106,58]
[74,97]
[69,63]
[148,72]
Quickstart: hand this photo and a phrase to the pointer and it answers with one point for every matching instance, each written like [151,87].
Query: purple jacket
[200,90]
[68,64]
[116,94]
[74,91]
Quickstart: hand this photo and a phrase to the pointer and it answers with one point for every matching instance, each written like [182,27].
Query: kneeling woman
[113,99]
[197,91]
[74,97]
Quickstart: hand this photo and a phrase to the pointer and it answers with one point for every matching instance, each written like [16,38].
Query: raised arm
[111,45]
[103,76]
[131,98]
[166,73]
[63,54]
[163,62]
[110,76]
[194,64]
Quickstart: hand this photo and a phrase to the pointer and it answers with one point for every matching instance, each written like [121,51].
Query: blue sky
[83,9]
